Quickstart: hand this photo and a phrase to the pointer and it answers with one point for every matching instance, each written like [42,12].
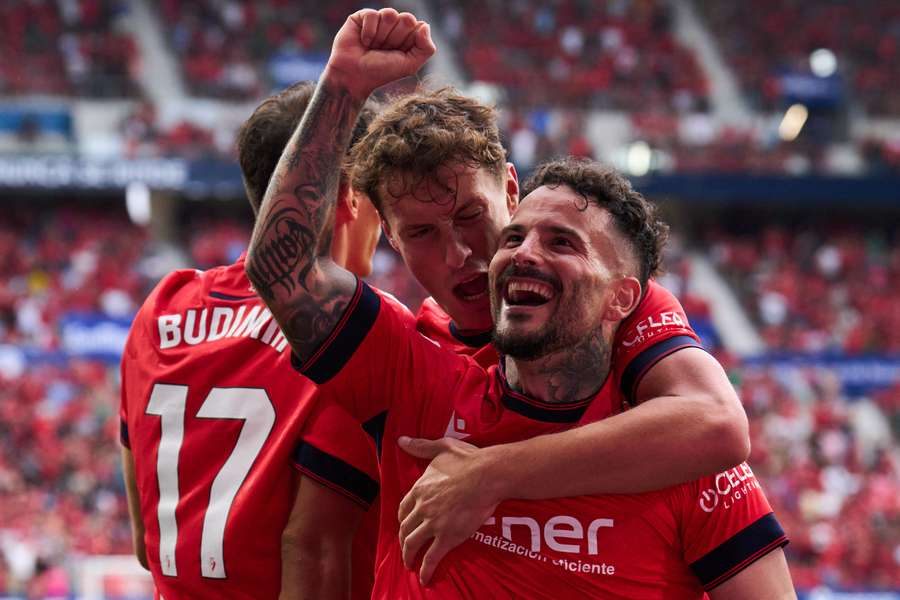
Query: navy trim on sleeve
[375,428]
[336,474]
[347,336]
[641,363]
[221,296]
[741,550]
[123,434]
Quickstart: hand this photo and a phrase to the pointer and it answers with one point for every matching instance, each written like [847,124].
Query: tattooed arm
[306,292]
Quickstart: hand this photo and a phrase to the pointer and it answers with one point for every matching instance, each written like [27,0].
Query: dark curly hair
[262,138]
[634,216]
[419,134]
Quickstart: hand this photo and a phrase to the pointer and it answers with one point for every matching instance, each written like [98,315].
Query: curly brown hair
[635,217]
[263,136]
[418,134]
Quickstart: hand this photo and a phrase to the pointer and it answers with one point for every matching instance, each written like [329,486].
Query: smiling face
[562,270]
[447,228]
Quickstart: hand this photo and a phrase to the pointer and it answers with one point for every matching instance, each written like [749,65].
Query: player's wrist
[496,476]
[337,78]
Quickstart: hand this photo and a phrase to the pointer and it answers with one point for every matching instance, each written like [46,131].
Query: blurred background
[769,131]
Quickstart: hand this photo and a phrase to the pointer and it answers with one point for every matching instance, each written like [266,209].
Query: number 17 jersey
[214,414]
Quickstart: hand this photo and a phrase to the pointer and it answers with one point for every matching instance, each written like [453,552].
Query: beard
[562,329]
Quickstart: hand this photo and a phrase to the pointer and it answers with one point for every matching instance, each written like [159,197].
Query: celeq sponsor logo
[648,327]
[731,486]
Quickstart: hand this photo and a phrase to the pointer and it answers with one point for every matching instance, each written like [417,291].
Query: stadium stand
[816,290]
[766,40]
[68,48]
[226,47]
[823,395]
[613,56]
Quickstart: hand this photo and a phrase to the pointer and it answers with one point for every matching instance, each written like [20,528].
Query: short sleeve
[657,328]
[375,359]
[726,525]
[336,451]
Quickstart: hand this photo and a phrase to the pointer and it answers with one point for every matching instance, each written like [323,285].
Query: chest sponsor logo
[650,326]
[731,486]
[562,534]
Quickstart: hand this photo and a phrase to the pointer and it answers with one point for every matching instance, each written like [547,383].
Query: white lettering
[237,321]
[270,332]
[190,336]
[719,488]
[221,322]
[169,332]
[592,533]
[572,530]
[508,522]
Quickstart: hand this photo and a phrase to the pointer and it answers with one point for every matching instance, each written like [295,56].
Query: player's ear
[626,295]
[388,234]
[347,204]
[512,188]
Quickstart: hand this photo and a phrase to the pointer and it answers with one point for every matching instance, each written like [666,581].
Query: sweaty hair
[264,135]
[418,134]
[634,216]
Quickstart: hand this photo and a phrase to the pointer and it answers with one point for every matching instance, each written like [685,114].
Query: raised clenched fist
[376,47]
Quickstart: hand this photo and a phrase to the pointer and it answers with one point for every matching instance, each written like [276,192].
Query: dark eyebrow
[563,231]
[510,228]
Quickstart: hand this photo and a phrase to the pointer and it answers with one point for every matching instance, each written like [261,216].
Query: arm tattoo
[306,295]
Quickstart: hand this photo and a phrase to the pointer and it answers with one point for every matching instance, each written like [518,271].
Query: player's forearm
[659,443]
[282,261]
[314,571]
[134,508]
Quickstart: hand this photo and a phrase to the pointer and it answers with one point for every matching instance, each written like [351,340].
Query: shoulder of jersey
[398,305]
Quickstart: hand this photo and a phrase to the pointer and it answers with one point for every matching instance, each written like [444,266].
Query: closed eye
[418,233]
[470,215]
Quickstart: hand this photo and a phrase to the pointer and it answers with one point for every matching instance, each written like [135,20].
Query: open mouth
[474,288]
[519,292]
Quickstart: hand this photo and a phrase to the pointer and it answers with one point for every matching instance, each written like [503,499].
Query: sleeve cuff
[123,434]
[336,474]
[347,336]
[740,551]
[644,361]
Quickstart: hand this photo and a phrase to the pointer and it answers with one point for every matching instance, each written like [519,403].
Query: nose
[456,250]
[526,253]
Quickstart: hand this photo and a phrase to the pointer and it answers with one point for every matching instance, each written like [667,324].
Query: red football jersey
[213,411]
[670,543]
[657,328]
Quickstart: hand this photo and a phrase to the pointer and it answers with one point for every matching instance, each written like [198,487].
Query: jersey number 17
[252,405]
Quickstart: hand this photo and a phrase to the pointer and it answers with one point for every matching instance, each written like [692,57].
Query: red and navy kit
[657,328]
[213,414]
[673,543]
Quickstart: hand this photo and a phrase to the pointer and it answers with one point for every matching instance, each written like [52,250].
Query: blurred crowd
[765,39]
[828,461]
[817,290]
[611,55]
[66,47]
[225,46]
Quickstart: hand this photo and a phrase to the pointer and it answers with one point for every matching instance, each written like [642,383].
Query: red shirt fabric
[213,413]
[673,543]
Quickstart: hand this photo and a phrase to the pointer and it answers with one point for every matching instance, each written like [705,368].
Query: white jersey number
[252,405]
